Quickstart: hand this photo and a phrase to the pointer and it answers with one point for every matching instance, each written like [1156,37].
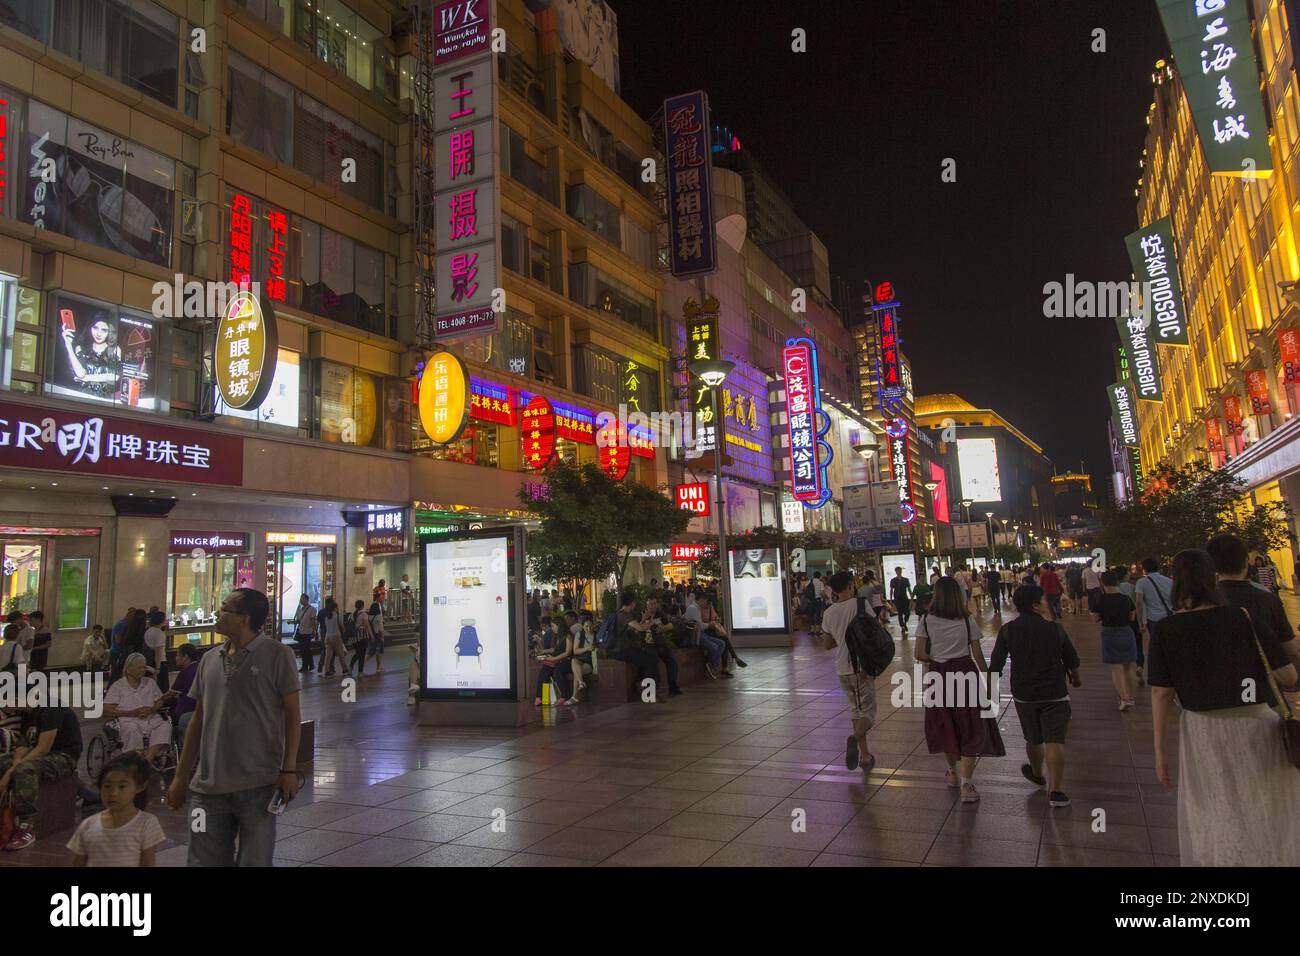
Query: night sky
[1046,135]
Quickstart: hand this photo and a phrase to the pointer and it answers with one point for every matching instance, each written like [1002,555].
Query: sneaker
[1125,705]
[23,837]
[851,753]
[740,663]
[708,669]
[1058,799]
[1029,775]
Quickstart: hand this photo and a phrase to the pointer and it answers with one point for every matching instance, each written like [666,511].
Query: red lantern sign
[615,455]
[537,430]
[694,498]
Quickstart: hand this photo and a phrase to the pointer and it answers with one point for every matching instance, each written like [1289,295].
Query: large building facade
[274,140]
[1229,397]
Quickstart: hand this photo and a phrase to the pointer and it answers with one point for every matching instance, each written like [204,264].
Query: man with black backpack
[863,649]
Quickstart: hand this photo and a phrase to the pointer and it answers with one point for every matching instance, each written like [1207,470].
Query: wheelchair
[107,744]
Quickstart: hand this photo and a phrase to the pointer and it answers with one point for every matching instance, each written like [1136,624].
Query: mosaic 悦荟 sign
[1151,251]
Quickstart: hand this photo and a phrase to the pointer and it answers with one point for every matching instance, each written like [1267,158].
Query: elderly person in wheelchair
[134,702]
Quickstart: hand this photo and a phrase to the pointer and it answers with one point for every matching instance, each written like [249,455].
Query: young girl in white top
[122,834]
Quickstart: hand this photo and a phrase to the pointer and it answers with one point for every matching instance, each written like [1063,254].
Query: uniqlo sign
[694,498]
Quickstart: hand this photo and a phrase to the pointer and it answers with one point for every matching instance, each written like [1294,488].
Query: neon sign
[900,463]
[538,433]
[806,423]
[694,497]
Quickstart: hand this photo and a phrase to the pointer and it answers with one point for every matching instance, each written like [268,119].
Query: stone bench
[56,806]
[615,681]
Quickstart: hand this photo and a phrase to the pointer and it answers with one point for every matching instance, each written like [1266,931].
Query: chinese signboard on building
[1288,344]
[1215,53]
[467,185]
[246,352]
[1257,389]
[806,423]
[691,236]
[692,552]
[1144,363]
[444,397]
[538,433]
[386,531]
[224,542]
[35,437]
[1121,408]
[900,468]
[1151,251]
[888,371]
[702,345]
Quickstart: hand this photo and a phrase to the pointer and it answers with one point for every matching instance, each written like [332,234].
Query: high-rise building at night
[1230,396]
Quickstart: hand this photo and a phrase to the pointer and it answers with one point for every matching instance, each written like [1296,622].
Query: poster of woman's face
[102,355]
[754,563]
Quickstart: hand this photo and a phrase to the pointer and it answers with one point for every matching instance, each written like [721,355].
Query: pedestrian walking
[858,686]
[1238,793]
[1044,659]
[242,739]
[1115,612]
[377,637]
[1154,596]
[900,593]
[1052,590]
[304,631]
[330,622]
[993,587]
[358,636]
[955,725]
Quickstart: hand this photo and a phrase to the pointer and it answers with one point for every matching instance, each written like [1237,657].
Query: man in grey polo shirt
[243,738]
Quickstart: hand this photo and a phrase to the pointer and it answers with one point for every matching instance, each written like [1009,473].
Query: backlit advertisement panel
[977,459]
[757,590]
[468,622]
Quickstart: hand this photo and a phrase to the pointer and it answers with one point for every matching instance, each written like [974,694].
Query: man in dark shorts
[1044,658]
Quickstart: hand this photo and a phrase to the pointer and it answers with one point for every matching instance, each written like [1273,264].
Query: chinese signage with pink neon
[466,198]
[809,456]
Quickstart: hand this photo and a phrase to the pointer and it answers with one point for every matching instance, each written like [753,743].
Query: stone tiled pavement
[710,778]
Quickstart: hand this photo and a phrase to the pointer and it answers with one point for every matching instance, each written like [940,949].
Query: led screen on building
[977,459]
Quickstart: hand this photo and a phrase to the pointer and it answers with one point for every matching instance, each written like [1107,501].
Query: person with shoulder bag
[304,631]
[360,634]
[377,637]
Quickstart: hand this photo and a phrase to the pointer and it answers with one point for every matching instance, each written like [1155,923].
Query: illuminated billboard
[977,459]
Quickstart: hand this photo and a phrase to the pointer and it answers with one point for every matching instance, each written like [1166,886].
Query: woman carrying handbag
[1238,786]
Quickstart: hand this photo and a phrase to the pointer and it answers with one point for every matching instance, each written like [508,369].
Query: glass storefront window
[196,587]
[74,594]
[102,353]
[20,577]
[477,445]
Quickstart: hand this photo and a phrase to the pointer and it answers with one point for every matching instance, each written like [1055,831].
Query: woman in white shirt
[155,647]
[135,702]
[955,724]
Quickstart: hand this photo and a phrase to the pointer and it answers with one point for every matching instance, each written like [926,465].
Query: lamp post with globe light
[989,515]
[966,503]
[713,372]
[931,487]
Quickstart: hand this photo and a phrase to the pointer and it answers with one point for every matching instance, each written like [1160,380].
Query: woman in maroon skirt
[955,725]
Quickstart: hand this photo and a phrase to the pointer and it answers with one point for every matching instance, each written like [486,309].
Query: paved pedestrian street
[721,776]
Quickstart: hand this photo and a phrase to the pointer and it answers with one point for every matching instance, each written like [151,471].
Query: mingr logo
[75,910]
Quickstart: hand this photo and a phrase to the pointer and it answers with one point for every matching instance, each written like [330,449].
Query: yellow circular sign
[444,397]
[246,352]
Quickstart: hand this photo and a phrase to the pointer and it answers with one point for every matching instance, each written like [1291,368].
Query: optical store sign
[386,531]
[97,445]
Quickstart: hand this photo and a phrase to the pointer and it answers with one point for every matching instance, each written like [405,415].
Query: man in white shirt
[1092,585]
[819,586]
[859,687]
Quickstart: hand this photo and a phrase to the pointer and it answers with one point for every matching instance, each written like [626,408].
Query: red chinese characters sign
[1257,388]
[1288,341]
[278,230]
[889,371]
[538,433]
[694,498]
[1232,413]
[692,552]
[241,240]
[493,403]
[1214,436]
[33,437]
[4,165]
[615,455]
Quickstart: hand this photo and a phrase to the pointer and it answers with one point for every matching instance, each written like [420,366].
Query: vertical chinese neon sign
[806,423]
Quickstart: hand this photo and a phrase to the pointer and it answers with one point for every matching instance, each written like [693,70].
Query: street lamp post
[931,487]
[989,515]
[966,503]
[713,372]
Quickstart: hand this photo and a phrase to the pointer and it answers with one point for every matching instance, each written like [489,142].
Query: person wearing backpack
[377,637]
[859,686]
[955,725]
[1154,597]
[304,631]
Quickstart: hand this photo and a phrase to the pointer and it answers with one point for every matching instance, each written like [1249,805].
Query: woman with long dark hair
[1238,794]
[955,725]
[94,356]
[331,628]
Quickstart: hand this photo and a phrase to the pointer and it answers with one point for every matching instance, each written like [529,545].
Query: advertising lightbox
[977,459]
[470,633]
[757,590]
[280,407]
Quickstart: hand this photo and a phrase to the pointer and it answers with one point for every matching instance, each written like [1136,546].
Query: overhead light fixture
[712,372]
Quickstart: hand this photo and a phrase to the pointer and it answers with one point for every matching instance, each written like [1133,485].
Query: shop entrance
[22,576]
[295,570]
